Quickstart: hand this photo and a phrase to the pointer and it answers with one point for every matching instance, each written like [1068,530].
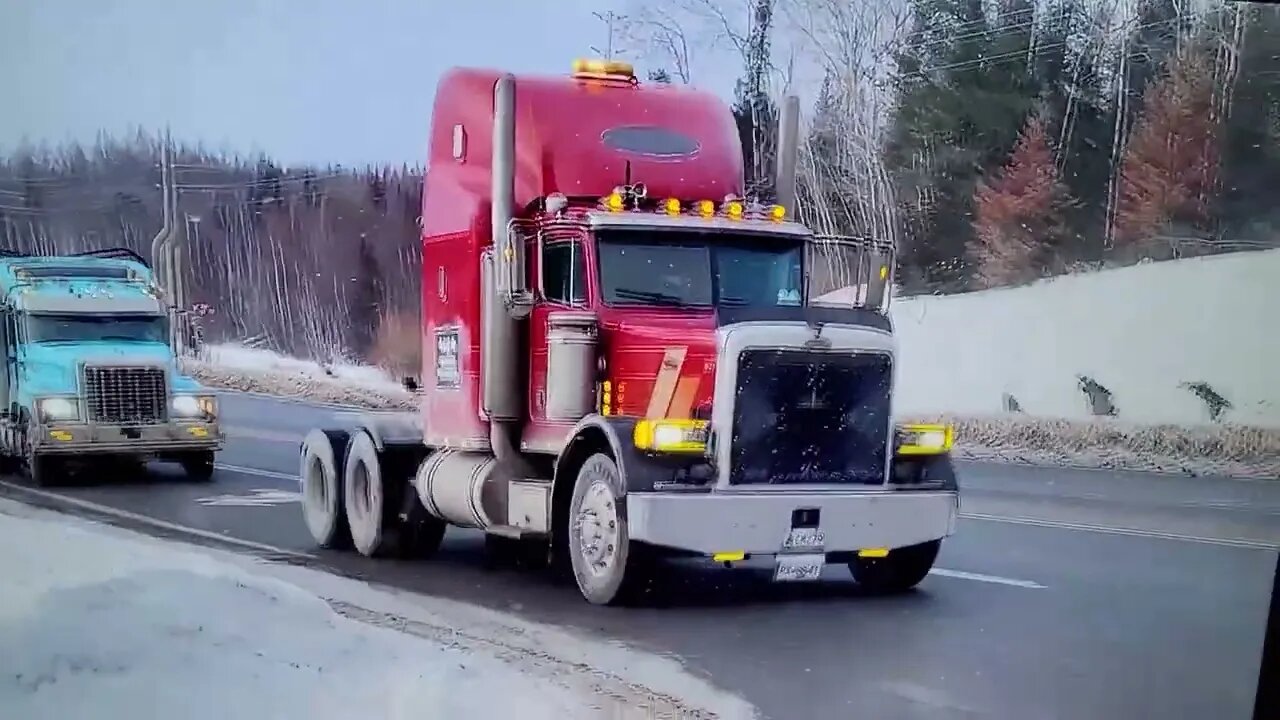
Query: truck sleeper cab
[89,371]
[609,379]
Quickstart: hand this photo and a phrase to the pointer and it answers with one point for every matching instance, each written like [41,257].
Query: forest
[994,142]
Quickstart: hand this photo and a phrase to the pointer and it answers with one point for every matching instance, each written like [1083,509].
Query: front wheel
[900,571]
[46,470]
[198,465]
[607,566]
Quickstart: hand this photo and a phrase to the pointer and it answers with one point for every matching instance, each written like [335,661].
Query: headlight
[194,406]
[673,436]
[924,439]
[58,408]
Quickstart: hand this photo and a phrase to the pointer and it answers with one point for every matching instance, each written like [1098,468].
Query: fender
[389,429]
[641,471]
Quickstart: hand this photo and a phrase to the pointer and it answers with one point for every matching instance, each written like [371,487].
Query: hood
[53,368]
[637,342]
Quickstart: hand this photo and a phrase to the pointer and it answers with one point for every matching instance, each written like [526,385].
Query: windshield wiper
[650,296]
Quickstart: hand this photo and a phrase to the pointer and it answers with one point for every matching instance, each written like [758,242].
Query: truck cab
[625,358]
[89,369]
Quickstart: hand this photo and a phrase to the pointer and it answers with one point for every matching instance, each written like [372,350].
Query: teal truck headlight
[193,407]
[58,409]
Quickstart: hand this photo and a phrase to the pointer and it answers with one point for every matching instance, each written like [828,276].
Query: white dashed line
[979,577]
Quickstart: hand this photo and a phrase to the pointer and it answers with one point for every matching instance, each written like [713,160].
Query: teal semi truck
[90,373]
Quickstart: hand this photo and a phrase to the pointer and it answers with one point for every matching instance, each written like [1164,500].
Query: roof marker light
[613,202]
[594,69]
[734,209]
[705,208]
[777,213]
[671,206]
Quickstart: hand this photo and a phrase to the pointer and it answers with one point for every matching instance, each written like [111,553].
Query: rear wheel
[418,532]
[323,505]
[383,510]
[899,571]
[607,566]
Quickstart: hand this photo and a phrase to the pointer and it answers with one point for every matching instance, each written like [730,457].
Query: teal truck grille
[125,395]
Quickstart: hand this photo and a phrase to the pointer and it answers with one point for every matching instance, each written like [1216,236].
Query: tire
[418,533]
[383,519]
[198,465]
[902,570]
[323,504]
[608,567]
[46,470]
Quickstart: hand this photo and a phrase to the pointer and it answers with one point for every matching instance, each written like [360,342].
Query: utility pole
[608,18]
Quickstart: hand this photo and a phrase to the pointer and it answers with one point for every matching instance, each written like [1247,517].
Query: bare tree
[846,188]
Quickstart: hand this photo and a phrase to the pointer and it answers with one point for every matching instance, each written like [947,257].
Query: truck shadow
[119,472]
[463,564]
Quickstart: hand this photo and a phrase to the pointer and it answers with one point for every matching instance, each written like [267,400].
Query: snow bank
[252,370]
[1157,336]
[99,622]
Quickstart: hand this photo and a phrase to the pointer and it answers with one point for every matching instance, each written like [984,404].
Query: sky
[306,81]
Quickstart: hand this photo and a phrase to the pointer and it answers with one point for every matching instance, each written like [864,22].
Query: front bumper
[171,437]
[759,522]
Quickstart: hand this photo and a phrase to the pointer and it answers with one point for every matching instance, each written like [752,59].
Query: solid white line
[1131,532]
[987,578]
[154,522]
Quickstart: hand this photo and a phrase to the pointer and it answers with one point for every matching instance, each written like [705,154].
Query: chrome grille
[125,395]
[811,417]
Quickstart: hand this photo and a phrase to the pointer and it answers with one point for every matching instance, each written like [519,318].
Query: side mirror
[510,274]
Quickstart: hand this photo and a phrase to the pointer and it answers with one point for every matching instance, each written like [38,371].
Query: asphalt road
[1064,593]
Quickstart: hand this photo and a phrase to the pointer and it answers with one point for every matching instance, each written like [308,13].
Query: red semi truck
[625,359]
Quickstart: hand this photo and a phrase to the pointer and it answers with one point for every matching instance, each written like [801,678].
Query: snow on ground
[254,370]
[1102,443]
[100,622]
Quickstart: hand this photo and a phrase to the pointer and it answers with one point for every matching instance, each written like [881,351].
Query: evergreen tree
[1250,132]
[1169,173]
[1019,214]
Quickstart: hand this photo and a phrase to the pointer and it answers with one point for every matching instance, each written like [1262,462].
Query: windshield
[699,269]
[89,328]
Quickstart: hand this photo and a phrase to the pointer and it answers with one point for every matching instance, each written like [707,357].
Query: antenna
[626,175]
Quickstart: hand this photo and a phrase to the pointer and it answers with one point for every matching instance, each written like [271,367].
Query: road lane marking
[1131,532]
[252,433]
[155,522]
[980,577]
[258,497]
[273,474]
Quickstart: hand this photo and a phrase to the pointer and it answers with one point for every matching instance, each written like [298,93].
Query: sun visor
[811,315]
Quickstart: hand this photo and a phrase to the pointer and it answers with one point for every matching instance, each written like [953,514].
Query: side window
[564,274]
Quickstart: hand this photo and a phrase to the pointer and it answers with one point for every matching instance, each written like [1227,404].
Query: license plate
[804,539]
[798,568]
